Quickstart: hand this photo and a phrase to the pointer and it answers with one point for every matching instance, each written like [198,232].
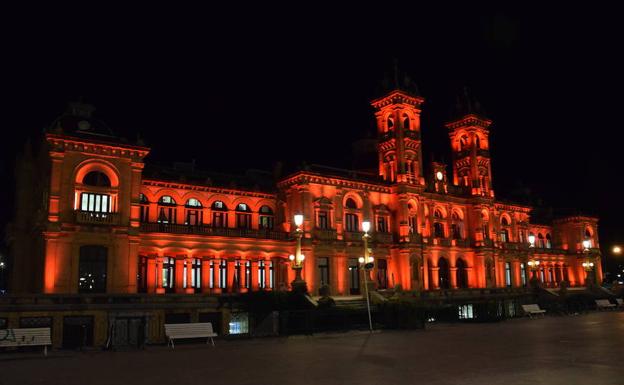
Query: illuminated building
[91,219]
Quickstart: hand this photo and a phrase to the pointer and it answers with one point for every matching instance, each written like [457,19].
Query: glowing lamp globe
[361,260]
[291,257]
[532,239]
[298,220]
[586,244]
[366,226]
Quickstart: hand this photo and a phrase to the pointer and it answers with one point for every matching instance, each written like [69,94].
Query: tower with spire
[398,128]
[469,134]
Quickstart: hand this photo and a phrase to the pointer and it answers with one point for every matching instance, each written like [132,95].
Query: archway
[462,274]
[443,273]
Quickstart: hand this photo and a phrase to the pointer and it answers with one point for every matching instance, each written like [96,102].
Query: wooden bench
[532,309]
[26,337]
[604,304]
[192,330]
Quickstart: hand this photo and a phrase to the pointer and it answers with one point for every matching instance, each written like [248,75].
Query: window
[540,241]
[243,216]
[382,224]
[406,122]
[323,223]
[219,214]
[438,230]
[92,269]
[323,271]
[507,274]
[456,225]
[523,275]
[350,204]
[412,218]
[194,214]
[382,273]
[548,241]
[223,274]
[455,230]
[266,218]
[261,274]
[271,275]
[466,312]
[95,203]
[212,275]
[168,274]
[195,274]
[144,213]
[351,223]
[167,210]
[142,275]
[248,274]
[237,274]
[97,179]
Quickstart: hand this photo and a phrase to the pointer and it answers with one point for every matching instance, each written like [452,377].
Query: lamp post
[588,264]
[533,263]
[296,261]
[366,263]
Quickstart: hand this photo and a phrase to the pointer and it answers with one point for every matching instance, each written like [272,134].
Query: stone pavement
[584,349]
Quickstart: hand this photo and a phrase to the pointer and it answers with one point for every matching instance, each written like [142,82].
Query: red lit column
[453,277]
[472,281]
[189,276]
[159,276]
[205,275]
[254,275]
[179,274]
[216,288]
[267,274]
[231,268]
[435,277]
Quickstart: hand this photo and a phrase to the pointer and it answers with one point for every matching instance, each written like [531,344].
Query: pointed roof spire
[398,81]
[467,104]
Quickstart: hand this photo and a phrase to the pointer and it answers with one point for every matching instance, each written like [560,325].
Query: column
[453,277]
[231,270]
[151,273]
[267,273]
[435,277]
[205,275]
[254,275]
[216,282]
[179,274]
[159,275]
[189,276]
[472,281]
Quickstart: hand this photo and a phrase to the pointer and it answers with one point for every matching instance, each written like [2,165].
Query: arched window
[243,216]
[194,214]
[523,275]
[443,273]
[219,214]
[97,179]
[462,274]
[588,236]
[548,241]
[540,241]
[406,122]
[504,221]
[412,218]
[456,226]
[485,229]
[390,123]
[477,142]
[144,213]
[167,209]
[266,217]
[438,226]
[504,234]
[463,143]
[351,217]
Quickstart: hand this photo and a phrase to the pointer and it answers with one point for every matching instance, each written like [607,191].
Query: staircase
[350,302]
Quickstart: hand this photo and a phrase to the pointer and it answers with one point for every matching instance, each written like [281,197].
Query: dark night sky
[236,89]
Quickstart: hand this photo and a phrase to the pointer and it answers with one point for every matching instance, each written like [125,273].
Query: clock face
[439,175]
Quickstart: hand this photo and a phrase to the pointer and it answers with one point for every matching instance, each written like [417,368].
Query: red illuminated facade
[97,223]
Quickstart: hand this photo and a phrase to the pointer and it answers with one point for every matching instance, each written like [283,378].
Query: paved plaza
[583,349]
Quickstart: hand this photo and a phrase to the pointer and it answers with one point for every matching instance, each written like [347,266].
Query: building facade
[90,219]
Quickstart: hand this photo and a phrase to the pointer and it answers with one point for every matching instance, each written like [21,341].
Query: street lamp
[296,261]
[588,264]
[617,250]
[366,263]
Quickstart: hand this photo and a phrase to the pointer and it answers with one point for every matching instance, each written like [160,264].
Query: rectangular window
[144,214]
[266,222]
[412,224]
[248,274]
[271,276]
[218,219]
[95,203]
[352,223]
[504,236]
[193,217]
[523,274]
[456,231]
[323,223]
[223,274]
[466,312]
[382,224]
[167,215]
[323,271]
[508,274]
[142,275]
[438,230]
[212,275]
[382,273]
[243,221]
[92,269]
[261,275]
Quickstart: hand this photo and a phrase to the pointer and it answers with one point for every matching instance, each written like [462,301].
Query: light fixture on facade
[531,240]
[439,175]
[586,244]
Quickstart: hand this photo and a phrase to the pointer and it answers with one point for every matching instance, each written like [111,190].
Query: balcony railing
[214,231]
[325,234]
[95,218]
[382,237]
[352,236]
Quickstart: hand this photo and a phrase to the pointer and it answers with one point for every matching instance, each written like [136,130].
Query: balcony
[214,231]
[94,218]
[325,234]
[351,236]
[382,237]
[514,246]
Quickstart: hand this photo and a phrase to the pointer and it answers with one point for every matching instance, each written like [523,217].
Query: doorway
[354,276]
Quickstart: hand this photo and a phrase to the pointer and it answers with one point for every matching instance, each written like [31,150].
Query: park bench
[190,330]
[604,304]
[620,302]
[26,337]
[532,309]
